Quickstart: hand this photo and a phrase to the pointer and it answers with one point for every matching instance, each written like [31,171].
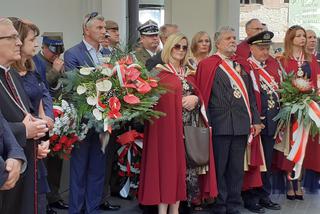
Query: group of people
[234,91]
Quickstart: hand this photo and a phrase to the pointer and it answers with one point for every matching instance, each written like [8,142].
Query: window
[153,12]
[251,1]
[285,1]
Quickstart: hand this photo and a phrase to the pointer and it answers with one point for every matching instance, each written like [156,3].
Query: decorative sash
[265,77]
[238,81]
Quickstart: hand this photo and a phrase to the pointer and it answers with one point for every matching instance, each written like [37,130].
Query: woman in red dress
[296,59]
[163,165]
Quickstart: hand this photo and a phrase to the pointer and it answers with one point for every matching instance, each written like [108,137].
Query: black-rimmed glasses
[92,15]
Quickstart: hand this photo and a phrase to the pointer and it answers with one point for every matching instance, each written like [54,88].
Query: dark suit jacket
[153,61]
[10,111]
[9,148]
[77,56]
[227,114]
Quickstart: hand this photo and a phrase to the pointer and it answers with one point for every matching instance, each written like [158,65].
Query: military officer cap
[54,41]
[111,25]
[148,28]
[263,38]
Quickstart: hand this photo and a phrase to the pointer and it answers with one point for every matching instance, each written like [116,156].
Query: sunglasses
[92,15]
[179,47]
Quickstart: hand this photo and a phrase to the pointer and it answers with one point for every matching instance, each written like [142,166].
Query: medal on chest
[237,93]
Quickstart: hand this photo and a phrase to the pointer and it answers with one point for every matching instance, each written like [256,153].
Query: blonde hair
[195,40]
[172,40]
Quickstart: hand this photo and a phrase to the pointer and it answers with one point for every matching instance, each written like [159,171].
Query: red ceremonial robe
[312,155]
[243,49]
[163,163]
[204,78]
[207,182]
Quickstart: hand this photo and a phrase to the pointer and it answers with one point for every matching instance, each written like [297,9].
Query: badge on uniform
[237,93]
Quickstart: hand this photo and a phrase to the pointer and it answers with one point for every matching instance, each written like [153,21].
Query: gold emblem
[271,104]
[237,93]
[300,72]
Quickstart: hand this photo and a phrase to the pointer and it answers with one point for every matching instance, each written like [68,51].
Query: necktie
[12,88]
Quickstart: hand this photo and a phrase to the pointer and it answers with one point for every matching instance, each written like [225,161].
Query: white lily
[97,114]
[92,100]
[81,89]
[104,85]
[86,70]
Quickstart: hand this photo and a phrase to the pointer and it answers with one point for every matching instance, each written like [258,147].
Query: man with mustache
[226,86]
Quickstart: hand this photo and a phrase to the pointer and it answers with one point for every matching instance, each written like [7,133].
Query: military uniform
[149,28]
[266,78]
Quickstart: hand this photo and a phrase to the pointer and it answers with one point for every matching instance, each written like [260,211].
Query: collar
[151,53]
[90,47]
[4,68]
[262,64]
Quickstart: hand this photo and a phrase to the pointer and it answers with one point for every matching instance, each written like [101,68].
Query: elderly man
[228,97]
[311,46]
[15,107]
[149,41]
[267,77]
[165,31]
[253,27]
[87,162]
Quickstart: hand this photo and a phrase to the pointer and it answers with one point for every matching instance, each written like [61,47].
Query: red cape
[163,164]
[243,49]
[204,78]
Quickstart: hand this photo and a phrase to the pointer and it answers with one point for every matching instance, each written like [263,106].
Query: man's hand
[258,128]
[35,128]
[13,166]
[43,149]
[50,122]
[189,102]
[58,65]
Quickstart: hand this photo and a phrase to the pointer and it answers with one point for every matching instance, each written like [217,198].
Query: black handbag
[197,141]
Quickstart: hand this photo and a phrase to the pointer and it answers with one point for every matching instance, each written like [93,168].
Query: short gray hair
[163,29]
[5,21]
[87,23]
[250,21]
[221,30]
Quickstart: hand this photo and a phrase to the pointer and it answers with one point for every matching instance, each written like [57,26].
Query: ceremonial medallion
[237,93]
[300,72]
[271,104]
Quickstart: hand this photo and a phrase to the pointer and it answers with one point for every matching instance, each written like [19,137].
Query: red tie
[13,88]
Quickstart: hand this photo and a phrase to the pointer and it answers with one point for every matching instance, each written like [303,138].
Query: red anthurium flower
[114,104]
[130,85]
[114,114]
[143,86]
[131,99]
[153,82]
[132,74]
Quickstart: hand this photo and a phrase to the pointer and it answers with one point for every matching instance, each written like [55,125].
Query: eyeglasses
[12,37]
[92,15]
[257,28]
[179,47]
